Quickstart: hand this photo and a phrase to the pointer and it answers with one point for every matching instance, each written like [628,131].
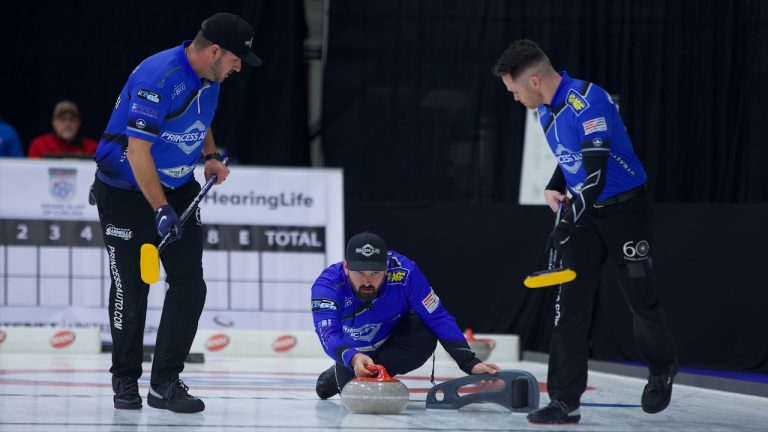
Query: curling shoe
[557,412]
[173,396]
[326,383]
[658,391]
[126,393]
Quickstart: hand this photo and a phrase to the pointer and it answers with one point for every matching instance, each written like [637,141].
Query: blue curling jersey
[347,325]
[582,117]
[166,103]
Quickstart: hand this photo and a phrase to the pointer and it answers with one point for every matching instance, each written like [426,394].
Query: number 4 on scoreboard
[86,233]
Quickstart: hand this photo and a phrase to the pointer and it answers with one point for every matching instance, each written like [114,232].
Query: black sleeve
[557,182]
[462,355]
[595,159]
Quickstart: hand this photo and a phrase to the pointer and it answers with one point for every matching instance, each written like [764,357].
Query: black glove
[559,237]
[91,196]
[167,222]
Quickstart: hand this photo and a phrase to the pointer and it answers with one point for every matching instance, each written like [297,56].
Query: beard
[219,75]
[367,292]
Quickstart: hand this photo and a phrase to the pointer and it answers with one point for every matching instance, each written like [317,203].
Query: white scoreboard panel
[268,233]
[538,162]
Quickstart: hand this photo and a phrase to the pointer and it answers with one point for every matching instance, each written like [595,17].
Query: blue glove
[559,237]
[168,222]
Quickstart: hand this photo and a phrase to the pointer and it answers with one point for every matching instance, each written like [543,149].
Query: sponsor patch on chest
[576,101]
[364,333]
[397,276]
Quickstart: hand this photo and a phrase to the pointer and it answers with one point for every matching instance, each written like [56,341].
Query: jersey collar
[558,99]
[181,57]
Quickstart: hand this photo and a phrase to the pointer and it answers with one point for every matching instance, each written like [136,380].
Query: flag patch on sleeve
[431,301]
[594,125]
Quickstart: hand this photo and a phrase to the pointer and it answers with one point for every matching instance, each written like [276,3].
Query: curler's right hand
[168,222]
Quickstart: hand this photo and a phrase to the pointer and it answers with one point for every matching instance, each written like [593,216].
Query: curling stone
[381,394]
[481,347]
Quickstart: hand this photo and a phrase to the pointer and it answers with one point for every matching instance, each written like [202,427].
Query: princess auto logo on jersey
[194,134]
[123,233]
[567,159]
[364,333]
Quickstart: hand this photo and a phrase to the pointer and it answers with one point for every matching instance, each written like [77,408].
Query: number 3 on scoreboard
[54,232]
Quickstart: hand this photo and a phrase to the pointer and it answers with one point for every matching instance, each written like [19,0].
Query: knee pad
[637,269]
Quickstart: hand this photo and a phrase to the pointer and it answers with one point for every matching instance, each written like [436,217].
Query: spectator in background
[64,141]
[10,144]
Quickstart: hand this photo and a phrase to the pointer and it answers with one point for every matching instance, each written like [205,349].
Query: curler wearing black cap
[232,33]
[366,252]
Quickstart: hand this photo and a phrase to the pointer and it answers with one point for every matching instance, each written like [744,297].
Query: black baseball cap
[232,33]
[366,252]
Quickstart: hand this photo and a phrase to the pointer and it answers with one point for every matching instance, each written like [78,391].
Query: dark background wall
[85,50]
[709,276]
[431,144]
[408,89]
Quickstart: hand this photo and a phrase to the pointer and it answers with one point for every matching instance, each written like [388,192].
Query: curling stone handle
[383,374]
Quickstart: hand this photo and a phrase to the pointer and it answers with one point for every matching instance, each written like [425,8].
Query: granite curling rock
[381,394]
[481,347]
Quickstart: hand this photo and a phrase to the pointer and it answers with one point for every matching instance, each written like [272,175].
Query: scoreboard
[268,233]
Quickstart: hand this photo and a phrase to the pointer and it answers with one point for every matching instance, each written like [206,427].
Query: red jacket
[51,145]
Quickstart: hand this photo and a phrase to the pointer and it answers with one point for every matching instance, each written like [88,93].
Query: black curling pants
[407,348]
[127,222]
[620,234]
